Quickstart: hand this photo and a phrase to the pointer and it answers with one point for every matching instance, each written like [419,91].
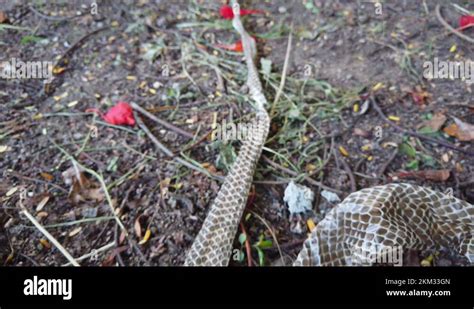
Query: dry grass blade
[283,74]
[50,237]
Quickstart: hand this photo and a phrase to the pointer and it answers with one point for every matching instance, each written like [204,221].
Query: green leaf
[248,216]
[413,165]
[242,238]
[265,244]
[170,93]
[266,66]
[310,6]
[428,160]
[112,166]
[30,39]
[241,256]
[153,50]
[426,130]
[261,257]
[408,150]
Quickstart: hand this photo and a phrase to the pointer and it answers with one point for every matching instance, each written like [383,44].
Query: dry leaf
[420,96]
[47,176]
[3,18]
[451,130]
[41,214]
[122,237]
[110,259]
[85,190]
[436,122]
[42,203]
[82,188]
[164,187]
[96,194]
[465,132]
[138,228]
[360,132]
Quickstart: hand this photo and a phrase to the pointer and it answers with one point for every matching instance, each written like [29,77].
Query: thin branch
[93,253]
[169,153]
[384,167]
[349,173]
[15,174]
[284,72]
[157,143]
[247,245]
[161,122]
[50,237]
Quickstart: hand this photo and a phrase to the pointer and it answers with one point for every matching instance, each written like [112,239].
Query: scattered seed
[75,232]
[45,243]
[356,108]
[146,237]
[343,151]
[378,86]
[11,191]
[311,225]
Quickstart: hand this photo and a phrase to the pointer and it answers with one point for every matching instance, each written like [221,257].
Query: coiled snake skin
[366,223]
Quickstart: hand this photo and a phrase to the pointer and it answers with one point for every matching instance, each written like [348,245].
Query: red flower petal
[466,20]
[237,46]
[120,114]
[250,12]
[227,12]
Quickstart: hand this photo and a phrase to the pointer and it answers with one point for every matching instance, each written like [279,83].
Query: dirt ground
[164,56]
